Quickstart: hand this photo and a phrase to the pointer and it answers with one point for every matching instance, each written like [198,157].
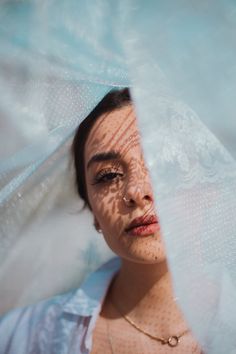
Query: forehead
[113,131]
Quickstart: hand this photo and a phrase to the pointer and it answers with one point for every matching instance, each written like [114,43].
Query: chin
[147,253]
[143,259]
[144,250]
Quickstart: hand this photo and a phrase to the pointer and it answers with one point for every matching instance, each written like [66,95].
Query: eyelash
[101,176]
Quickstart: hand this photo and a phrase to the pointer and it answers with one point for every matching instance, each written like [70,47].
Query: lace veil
[57,60]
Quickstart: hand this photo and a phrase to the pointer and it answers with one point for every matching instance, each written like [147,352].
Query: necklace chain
[171,341]
[109,337]
[111,344]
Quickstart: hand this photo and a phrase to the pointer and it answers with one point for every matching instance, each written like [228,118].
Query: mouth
[143,226]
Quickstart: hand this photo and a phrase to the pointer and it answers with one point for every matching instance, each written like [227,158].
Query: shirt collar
[89,297]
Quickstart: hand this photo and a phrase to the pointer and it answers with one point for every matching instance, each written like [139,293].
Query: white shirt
[61,325]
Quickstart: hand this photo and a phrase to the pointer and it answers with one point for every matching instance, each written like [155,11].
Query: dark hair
[115,99]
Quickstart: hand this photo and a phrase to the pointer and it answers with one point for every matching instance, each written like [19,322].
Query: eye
[106,176]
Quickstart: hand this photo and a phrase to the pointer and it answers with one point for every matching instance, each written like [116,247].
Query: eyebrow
[104,156]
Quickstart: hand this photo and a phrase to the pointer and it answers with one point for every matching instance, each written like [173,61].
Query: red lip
[142,221]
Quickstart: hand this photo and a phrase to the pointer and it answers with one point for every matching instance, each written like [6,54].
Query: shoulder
[19,328]
[47,327]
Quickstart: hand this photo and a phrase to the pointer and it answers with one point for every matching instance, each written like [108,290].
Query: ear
[96,225]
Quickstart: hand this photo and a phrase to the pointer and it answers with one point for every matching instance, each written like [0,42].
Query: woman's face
[119,188]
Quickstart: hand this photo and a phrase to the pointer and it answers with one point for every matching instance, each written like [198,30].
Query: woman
[126,306]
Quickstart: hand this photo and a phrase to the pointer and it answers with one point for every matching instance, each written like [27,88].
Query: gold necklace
[196,349]
[171,341]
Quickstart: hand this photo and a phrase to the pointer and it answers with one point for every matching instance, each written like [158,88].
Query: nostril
[128,201]
[132,202]
[147,197]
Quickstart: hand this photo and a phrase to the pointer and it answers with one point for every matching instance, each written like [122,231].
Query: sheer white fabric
[57,60]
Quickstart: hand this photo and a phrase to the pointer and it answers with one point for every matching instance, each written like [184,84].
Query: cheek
[105,200]
[106,205]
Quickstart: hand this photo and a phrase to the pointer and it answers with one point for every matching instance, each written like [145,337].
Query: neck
[138,282]
[140,290]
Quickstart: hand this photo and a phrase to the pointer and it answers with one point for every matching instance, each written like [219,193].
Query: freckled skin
[142,289]
[119,132]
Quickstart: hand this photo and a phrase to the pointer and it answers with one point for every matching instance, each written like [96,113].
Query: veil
[57,60]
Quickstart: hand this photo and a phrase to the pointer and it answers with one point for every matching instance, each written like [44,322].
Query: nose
[138,192]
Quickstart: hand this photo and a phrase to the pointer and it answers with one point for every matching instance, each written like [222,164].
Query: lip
[143,226]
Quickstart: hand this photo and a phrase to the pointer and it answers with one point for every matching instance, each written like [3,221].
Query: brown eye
[107,176]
